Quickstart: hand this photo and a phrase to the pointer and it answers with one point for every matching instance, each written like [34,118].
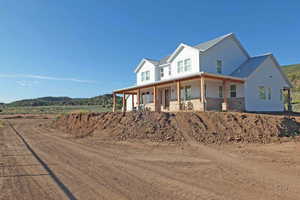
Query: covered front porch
[195,93]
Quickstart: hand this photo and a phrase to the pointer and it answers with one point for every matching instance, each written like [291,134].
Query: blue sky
[83,48]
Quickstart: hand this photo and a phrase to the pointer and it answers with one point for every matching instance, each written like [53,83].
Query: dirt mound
[204,127]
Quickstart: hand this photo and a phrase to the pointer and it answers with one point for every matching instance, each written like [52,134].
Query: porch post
[178,94]
[225,104]
[114,102]
[124,102]
[138,99]
[155,97]
[202,92]
[289,99]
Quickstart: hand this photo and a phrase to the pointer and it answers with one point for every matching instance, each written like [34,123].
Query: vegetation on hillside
[293,73]
[104,100]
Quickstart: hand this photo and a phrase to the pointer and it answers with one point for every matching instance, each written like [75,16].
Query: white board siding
[147,66]
[185,53]
[266,75]
[228,51]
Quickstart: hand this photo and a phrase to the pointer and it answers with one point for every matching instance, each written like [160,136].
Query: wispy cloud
[41,77]
[24,83]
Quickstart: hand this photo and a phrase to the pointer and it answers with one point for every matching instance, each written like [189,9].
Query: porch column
[138,99]
[178,94]
[155,97]
[225,103]
[132,101]
[114,102]
[202,92]
[289,99]
[124,102]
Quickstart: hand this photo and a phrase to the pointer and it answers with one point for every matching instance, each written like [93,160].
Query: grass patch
[2,124]
[52,109]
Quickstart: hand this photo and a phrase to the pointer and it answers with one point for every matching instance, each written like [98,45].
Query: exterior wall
[269,76]
[186,52]
[228,51]
[147,66]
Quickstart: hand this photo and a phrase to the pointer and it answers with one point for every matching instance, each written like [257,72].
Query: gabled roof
[154,62]
[249,66]
[206,45]
[253,63]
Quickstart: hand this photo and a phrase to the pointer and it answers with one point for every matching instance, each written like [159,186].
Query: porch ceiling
[134,89]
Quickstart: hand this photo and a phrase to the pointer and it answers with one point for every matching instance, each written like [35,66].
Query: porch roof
[181,78]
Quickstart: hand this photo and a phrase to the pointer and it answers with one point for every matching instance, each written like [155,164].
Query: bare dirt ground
[41,162]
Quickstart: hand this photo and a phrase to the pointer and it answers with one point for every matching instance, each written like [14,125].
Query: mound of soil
[204,127]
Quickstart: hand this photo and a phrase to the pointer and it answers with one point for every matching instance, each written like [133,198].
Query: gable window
[232,90]
[187,65]
[169,70]
[219,66]
[262,92]
[180,66]
[269,93]
[145,76]
[220,91]
[161,72]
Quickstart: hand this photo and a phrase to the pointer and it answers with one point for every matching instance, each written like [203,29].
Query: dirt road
[42,163]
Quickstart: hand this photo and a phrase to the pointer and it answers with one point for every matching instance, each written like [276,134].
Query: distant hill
[293,73]
[102,100]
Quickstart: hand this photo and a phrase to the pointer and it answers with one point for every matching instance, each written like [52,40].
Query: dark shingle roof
[249,66]
[206,45]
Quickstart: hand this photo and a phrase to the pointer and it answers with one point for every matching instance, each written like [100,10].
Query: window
[232,90]
[147,75]
[180,66]
[269,93]
[186,93]
[170,70]
[220,91]
[219,66]
[187,65]
[143,76]
[161,72]
[262,92]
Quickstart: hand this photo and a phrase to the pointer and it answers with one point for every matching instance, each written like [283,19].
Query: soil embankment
[204,127]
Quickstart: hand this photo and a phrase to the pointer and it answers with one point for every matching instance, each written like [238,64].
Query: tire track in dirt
[60,184]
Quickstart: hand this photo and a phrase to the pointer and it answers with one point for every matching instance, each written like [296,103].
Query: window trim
[219,66]
[221,91]
[161,72]
[233,91]
[187,68]
[262,92]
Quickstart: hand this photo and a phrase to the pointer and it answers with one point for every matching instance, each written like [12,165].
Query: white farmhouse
[215,75]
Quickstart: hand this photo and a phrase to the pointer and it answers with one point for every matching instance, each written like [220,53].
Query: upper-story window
[180,66]
[145,76]
[184,65]
[161,72]
[170,72]
[219,66]
[187,65]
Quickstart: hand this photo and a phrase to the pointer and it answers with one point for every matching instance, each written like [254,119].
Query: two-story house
[215,75]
